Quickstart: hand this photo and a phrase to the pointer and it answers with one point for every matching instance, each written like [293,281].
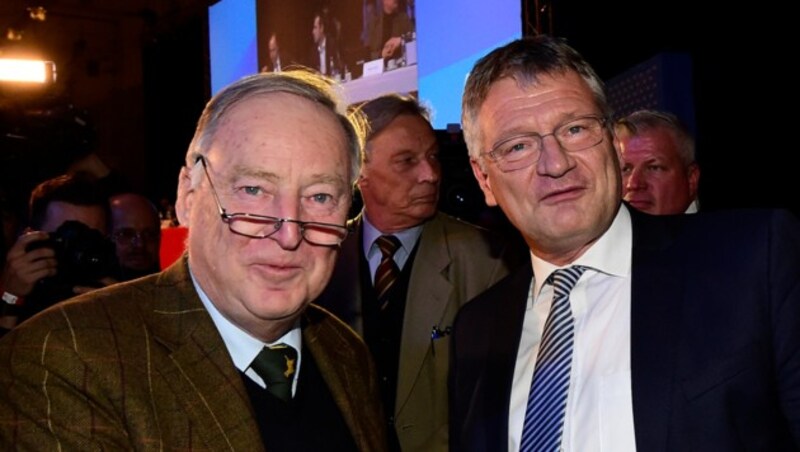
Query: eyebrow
[249,171]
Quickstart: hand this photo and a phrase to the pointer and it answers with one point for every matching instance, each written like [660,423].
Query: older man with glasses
[623,331]
[223,350]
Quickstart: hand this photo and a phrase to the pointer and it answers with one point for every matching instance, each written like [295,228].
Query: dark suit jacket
[400,25]
[454,262]
[715,338]
[141,366]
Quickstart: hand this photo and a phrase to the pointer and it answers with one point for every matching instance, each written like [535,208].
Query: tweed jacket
[454,262]
[141,366]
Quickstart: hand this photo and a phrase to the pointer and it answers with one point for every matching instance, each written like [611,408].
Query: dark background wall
[744,88]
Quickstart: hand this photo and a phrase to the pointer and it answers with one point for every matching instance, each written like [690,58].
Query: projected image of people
[337,38]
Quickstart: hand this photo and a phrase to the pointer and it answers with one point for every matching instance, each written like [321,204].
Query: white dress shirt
[243,347]
[599,411]
[323,62]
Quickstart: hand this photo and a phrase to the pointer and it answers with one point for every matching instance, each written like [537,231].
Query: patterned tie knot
[388,244]
[276,365]
[564,279]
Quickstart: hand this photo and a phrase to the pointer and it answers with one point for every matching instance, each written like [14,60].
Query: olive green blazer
[141,366]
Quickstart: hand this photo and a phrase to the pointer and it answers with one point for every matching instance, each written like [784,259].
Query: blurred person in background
[659,173]
[136,232]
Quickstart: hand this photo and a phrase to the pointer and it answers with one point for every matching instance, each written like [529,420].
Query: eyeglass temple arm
[222,213]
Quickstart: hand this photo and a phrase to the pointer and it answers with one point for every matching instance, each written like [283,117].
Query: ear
[483,181]
[183,204]
[694,179]
[362,180]
[619,145]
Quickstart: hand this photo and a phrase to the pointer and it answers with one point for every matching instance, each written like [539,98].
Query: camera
[84,255]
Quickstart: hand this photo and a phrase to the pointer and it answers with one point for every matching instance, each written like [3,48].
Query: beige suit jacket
[455,261]
[141,366]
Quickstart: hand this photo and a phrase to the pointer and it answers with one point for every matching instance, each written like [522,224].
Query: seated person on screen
[385,29]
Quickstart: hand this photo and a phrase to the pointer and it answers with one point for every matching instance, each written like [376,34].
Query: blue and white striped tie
[547,400]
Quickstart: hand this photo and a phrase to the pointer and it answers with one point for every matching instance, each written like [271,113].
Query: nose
[553,159]
[430,170]
[634,180]
[288,234]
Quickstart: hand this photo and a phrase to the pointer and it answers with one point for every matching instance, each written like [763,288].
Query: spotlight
[18,70]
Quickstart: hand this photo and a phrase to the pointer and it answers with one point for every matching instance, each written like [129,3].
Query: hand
[392,47]
[23,269]
[107,281]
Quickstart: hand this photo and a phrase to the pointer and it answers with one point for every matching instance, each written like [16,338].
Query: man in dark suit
[441,263]
[626,331]
[222,351]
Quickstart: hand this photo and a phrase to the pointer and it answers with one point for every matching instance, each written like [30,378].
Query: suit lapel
[342,295]
[498,374]
[199,369]
[428,282]
[656,304]
[333,354]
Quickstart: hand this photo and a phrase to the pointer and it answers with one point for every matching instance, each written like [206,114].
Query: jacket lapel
[342,295]
[428,282]
[199,369]
[333,355]
[656,305]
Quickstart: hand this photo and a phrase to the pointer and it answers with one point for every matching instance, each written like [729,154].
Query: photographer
[64,253]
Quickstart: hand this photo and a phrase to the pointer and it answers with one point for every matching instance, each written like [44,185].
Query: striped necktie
[547,400]
[388,272]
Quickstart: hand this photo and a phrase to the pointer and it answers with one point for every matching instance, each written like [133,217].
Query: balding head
[136,232]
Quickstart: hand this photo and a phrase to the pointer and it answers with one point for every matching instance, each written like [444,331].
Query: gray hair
[300,82]
[382,110]
[643,120]
[524,60]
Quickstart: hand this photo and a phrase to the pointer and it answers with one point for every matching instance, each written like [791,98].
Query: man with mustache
[440,263]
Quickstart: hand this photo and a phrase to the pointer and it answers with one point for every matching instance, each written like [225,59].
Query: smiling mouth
[564,194]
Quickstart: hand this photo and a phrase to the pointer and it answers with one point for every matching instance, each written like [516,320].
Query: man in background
[223,350]
[276,63]
[407,269]
[659,173]
[325,55]
[136,232]
[33,278]
[385,30]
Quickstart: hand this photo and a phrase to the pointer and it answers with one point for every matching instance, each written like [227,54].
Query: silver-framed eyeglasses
[523,150]
[262,226]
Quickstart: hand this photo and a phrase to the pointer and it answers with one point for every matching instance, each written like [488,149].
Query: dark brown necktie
[388,272]
[276,365]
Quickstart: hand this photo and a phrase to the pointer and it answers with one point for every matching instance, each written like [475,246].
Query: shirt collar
[241,346]
[610,254]
[408,237]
